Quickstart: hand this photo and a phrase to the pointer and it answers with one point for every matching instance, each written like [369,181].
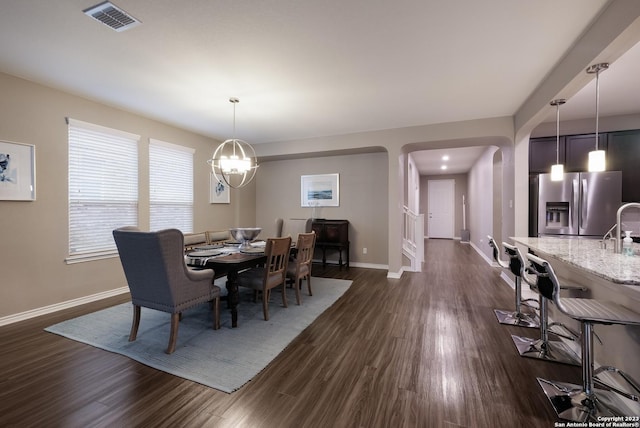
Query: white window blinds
[170,186]
[103,186]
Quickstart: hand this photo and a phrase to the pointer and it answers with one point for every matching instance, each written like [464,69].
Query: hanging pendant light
[557,170]
[597,157]
[234,162]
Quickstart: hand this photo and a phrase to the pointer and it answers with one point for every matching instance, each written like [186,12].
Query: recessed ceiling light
[445,157]
[443,167]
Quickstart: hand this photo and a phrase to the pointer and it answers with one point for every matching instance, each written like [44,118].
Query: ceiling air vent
[112,16]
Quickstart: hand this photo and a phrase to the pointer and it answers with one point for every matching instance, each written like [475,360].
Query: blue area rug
[223,359]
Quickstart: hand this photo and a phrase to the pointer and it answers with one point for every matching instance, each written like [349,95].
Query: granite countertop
[586,254]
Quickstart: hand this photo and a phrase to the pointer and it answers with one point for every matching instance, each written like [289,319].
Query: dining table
[227,261]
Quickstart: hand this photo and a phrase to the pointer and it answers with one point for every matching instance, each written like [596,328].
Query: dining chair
[300,266]
[159,279]
[273,274]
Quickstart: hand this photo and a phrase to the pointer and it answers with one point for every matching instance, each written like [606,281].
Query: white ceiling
[303,68]
[457,161]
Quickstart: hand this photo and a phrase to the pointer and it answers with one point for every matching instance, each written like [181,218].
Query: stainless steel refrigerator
[583,204]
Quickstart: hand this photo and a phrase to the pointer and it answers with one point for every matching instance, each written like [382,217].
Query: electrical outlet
[364,250]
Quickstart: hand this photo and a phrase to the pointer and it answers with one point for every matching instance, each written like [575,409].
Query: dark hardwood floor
[422,351]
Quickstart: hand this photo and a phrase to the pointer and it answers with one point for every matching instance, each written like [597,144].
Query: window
[170,186]
[103,188]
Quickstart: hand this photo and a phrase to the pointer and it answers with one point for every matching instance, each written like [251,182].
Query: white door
[440,216]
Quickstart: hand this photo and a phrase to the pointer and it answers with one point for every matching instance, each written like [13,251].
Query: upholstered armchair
[159,279]
[293,226]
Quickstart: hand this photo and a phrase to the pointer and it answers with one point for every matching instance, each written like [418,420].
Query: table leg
[348,244]
[233,296]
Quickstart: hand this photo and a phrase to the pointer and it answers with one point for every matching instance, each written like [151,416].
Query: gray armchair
[293,226]
[159,279]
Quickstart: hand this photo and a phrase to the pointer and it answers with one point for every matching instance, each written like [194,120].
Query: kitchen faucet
[618,246]
[610,235]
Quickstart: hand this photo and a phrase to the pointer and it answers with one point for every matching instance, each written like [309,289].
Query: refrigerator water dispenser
[557,215]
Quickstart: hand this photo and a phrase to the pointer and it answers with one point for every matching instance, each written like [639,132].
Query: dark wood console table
[333,234]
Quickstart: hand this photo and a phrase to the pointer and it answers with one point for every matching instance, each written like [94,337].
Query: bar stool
[516,317]
[582,403]
[543,348]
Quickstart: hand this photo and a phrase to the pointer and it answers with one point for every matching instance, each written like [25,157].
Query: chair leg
[517,317]
[297,284]
[265,304]
[543,348]
[284,294]
[135,324]
[309,284]
[173,336]
[216,313]
[583,403]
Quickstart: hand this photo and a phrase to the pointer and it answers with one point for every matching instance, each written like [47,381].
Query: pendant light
[234,162]
[557,170]
[597,157]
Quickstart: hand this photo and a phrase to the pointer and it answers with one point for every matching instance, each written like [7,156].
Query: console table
[332,234]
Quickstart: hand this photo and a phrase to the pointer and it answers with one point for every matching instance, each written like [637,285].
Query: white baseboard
[356,264]
[483,255]
[10,319]
[507,279]
[397,275]
[369,265]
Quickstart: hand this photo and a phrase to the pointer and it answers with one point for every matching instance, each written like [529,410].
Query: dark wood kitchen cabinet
[623,154]
[578,148]
[332,234]
[542,154]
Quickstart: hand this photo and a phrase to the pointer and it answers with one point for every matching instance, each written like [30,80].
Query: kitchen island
[607,276]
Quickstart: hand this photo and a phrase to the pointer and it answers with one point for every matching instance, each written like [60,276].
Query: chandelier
[234,162]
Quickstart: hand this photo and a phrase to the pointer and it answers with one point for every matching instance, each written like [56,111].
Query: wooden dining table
[229,265]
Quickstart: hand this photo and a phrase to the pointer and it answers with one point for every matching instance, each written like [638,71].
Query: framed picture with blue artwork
[322,190]
[218,191]
[17,171]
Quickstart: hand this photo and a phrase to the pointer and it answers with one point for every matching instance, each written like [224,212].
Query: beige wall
[398,143]
[35,234]
[363,198]
[480,203]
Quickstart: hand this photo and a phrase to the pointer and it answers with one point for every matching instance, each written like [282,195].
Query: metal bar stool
[543,348]
[516,317]
[582,403]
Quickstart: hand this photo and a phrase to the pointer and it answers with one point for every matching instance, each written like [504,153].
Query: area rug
[223,359]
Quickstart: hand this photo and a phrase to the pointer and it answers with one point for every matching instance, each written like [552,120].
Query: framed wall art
[17,171]
[321,190]
[218,191]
